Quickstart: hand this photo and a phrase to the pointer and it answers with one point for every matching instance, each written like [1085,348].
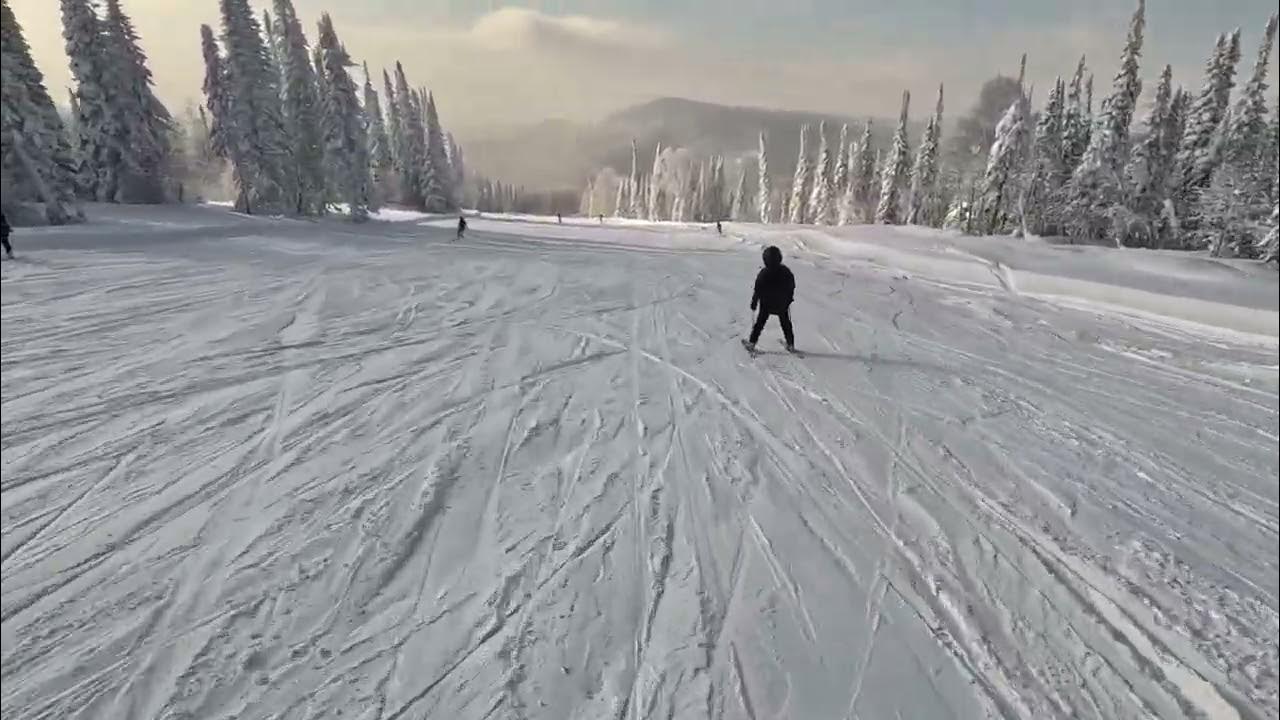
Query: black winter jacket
[775,288]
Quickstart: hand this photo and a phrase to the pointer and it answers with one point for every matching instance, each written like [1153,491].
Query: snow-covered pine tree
[623,200]
[1195,160]
[1096,190]
[437,189]
[1076,125]
[391,119]
[821,206]
[301,109]
[636,207]
[740,211]
[1047,171]
[272,38]
[1268,248]
[654,210]
[343,126]
[215,93]
[764,184]
[697,206]
[840,176]
[863,165]
[999,191]
[411,142]
[102,138]
[34,144]
[719,190]
[380,164]
[1149,168]
[254,109]
[893,180]
[801,181]
[458,164]
[678,204]
[146,121]
[1246,136]
[1247,159]
[921,205]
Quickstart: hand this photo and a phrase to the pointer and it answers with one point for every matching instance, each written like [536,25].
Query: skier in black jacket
[4,236]
[774,291]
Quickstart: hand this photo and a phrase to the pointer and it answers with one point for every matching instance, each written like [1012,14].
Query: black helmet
[772,256]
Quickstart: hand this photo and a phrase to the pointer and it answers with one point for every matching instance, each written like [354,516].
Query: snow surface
[296,469]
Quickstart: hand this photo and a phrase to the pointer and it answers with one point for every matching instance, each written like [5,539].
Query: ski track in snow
[267,471]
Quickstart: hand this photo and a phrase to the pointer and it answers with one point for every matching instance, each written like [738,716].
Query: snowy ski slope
[289,469]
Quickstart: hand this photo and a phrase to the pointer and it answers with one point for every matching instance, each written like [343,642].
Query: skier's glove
[753,305]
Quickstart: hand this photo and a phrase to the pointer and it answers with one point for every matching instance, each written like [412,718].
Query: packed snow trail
[296,470]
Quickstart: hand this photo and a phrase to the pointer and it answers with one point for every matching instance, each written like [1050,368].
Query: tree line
[284,118]
[1197,172]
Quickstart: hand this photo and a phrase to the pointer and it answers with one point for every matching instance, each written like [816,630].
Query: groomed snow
[297,469]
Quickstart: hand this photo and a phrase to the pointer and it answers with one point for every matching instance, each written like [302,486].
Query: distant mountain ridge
[560,155]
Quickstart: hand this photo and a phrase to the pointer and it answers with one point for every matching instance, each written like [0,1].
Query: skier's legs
[784,317]
[8,249]
[756,329]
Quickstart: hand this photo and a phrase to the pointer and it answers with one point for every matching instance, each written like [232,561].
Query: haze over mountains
[560,154]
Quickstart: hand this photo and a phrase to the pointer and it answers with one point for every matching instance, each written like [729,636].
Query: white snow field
[290,469]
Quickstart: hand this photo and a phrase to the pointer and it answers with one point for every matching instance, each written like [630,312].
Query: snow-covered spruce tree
[215,94]
[1077,125]
[146,122]
[840,176]
[862,180]
[253,107]
[301,109]
[740,211]
[271,33]
[1195,160]
[1268,248]
[34,145]
[411,141]
[391,119]
[1095,194]
[1047,172]
[636,208]
[343,126]
[893,180]
[623,200]
[999,182]
[102,139]
[764,184]
[1149,168]
[458,164]
[921,205]
[437,177]
[654,209]
[1245,166]
[718,190]
[821,204]
[1246,136]
[801,181]
[379,146]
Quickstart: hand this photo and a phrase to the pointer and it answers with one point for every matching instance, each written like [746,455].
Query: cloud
[524,29]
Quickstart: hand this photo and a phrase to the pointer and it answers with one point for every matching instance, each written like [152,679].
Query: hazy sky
[495,63]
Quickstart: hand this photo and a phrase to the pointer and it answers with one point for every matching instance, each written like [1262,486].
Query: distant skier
[719,228]
[559,220]
[601,216]
[4,236]
[774,291]
[462,227]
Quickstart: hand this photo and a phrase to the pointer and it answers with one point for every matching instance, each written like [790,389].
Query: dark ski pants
[784,318]
[8,249]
